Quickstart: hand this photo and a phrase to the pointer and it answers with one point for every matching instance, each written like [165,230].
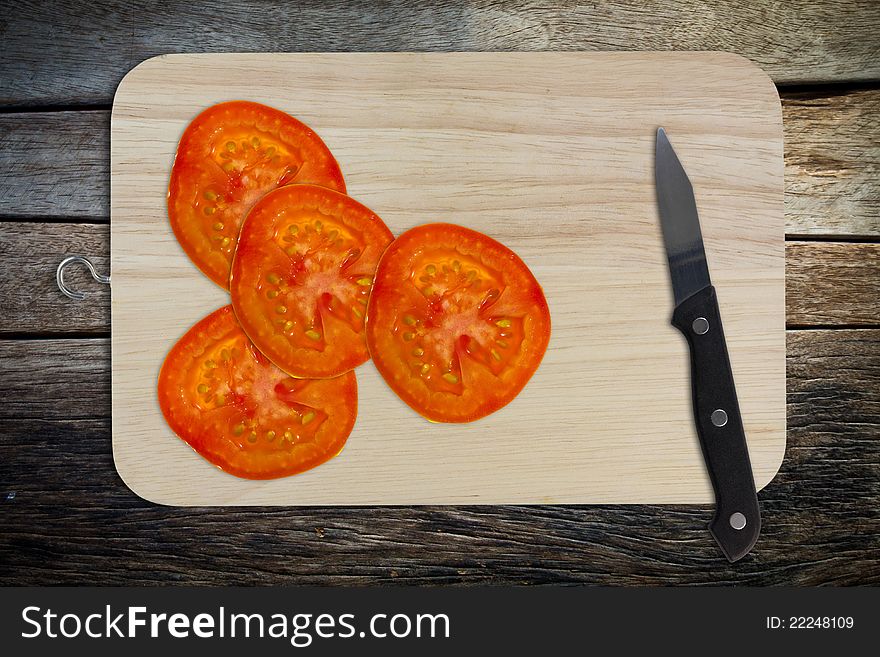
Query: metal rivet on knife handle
[737,520]
[700,326]
[719,417]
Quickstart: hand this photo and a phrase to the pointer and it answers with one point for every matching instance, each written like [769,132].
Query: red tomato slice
[243,414]
[229,157]
[456,323]
[301,278]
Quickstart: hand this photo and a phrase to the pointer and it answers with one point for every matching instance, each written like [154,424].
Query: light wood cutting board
[550,153]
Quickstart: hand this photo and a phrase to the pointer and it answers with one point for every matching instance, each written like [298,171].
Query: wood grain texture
[54,164]
[68,519]
[559,169]
[795,42]
[57,164]
[829,283]
[32,302]
[832,163]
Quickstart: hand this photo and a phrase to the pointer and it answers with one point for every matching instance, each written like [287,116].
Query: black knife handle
[719,425]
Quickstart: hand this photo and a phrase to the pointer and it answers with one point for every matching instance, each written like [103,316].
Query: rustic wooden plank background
[68,518]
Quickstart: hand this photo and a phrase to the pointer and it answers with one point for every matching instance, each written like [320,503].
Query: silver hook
[59,276]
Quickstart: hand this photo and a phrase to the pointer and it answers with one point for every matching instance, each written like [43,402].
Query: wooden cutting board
[550,153]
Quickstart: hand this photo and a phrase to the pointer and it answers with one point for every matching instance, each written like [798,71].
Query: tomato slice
[228,158]
[301,278]
[243,414]
[456,322]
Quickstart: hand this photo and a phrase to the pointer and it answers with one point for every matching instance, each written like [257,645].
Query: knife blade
[736,524]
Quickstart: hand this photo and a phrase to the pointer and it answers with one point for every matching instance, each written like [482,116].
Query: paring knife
[737,521]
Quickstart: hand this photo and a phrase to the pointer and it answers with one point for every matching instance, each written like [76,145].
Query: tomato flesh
[301,278]
[243,414]
[228,158]
[456,323]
